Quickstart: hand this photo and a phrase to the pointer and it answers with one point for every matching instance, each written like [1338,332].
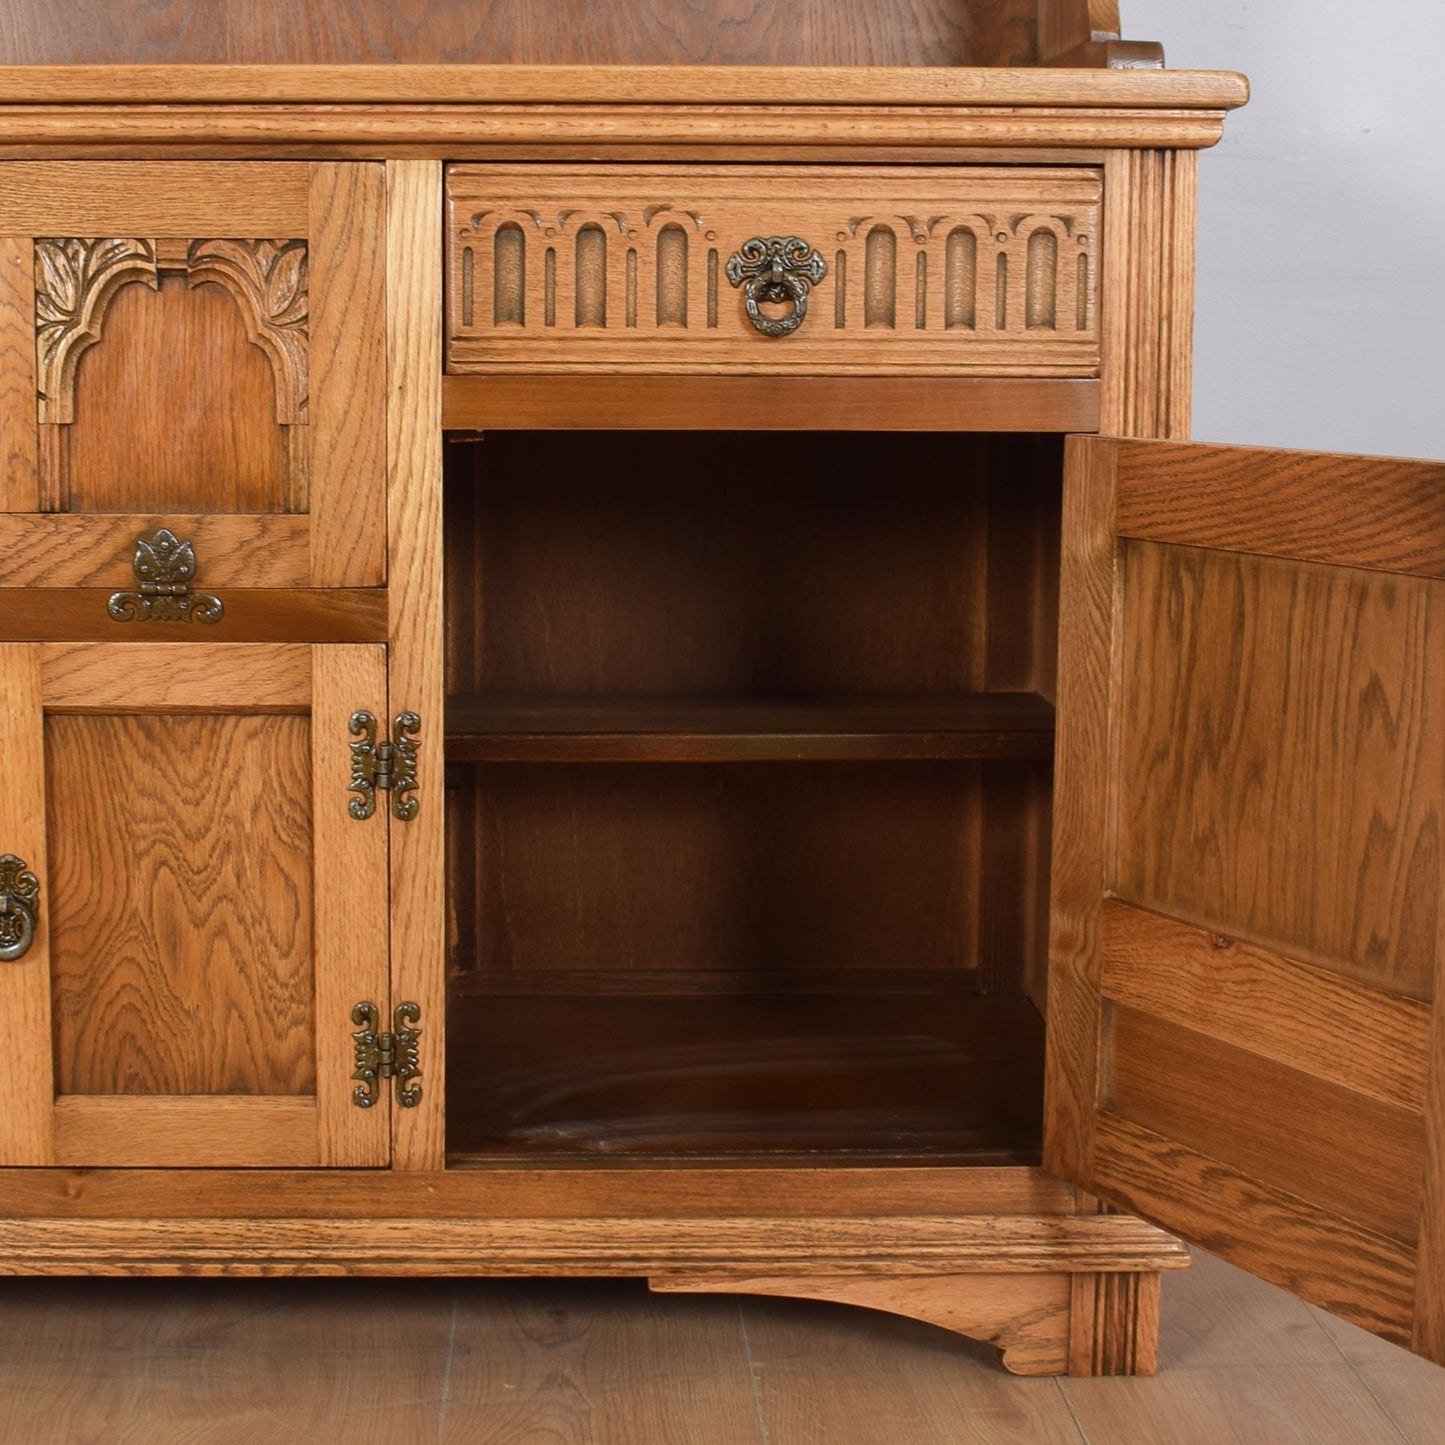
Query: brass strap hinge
[388,767]
[386,1056]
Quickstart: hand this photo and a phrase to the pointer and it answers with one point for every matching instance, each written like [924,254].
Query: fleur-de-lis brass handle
[776,268]
[19,892]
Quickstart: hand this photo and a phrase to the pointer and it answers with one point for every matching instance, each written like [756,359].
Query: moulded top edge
[615,85]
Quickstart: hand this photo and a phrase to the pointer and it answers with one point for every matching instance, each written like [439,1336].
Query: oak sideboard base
[1054,1292]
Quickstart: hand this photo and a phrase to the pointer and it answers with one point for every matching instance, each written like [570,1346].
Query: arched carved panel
[76,277]
[268,281]
[74,280]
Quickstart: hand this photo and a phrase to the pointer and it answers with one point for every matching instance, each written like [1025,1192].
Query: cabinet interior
[749,747]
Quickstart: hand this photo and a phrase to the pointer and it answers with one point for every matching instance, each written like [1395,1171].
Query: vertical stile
[350,905]
[26,1073]
[414,450]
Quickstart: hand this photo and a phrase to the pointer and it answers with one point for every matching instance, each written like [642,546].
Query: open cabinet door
[1247,922]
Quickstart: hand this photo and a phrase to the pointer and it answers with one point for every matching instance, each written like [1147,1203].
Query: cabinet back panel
[731,563]
[179,906]
[174,410]
[586,32]
[1303,809]
[617,877]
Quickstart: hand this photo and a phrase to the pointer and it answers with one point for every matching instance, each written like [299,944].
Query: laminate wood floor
[236,1362]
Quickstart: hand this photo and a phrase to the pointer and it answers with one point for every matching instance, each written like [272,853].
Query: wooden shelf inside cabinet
[938,1073]
[492,728]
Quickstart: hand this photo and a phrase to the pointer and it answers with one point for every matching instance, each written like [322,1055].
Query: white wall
[1320,317]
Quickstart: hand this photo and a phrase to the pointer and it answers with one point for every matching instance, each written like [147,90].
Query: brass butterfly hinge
[386,1055]
[164,567]
[387,767]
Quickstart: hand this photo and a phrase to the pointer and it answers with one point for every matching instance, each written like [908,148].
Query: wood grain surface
[180,915]
[602,1191]
[140,677]
[578,564]
[141,198]
[536,728]
[1148,292]
[1297,1014]
[772,404]
[349,901]
[748,869]
[415,656]
[1279,778]
[26,1075]
[1114,1324]
[186,1132]
[1319,1141]
[19,483]
[80,614]
[1375,512]
[222,85]
[71,551]
[660,1248]
[174,408]
[1429,1331]
[1358,1274]
[739,32]
[1026,1317]
[1024,119]
[347,431]
[932,1073]
[1085,820]
[923,273]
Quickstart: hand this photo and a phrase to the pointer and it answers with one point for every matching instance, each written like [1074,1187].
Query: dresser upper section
[567,32]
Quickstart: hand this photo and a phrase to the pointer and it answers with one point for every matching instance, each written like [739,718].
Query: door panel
[209,911]
[188,340]
[1248,863]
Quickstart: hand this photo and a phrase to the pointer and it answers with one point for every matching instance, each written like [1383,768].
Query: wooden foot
[1027,1316]
[1114,1324]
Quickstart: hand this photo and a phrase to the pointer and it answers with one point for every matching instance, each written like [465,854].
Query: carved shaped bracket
[76,277]
[269,282]
[74,281]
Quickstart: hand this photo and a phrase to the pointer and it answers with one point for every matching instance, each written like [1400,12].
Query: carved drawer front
[958,270]
[198,347]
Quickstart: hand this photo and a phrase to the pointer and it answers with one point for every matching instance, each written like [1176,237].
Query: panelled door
[1246,1013]
[189,911]
[192,606]
[199,347]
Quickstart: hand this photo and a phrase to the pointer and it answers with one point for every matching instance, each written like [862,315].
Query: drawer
[953,270]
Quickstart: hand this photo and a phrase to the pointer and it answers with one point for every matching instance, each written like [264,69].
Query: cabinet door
[208,911]
[197,346]
[1245,1043]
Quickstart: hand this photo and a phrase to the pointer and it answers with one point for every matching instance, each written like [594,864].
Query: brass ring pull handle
[19,891]
[776,268]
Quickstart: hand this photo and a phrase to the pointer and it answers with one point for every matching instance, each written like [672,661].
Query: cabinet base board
[1056,1294]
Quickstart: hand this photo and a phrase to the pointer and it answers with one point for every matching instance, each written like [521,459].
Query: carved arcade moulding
[965,270]
[76,278]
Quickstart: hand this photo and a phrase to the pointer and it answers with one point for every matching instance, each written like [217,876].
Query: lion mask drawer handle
[776,268]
